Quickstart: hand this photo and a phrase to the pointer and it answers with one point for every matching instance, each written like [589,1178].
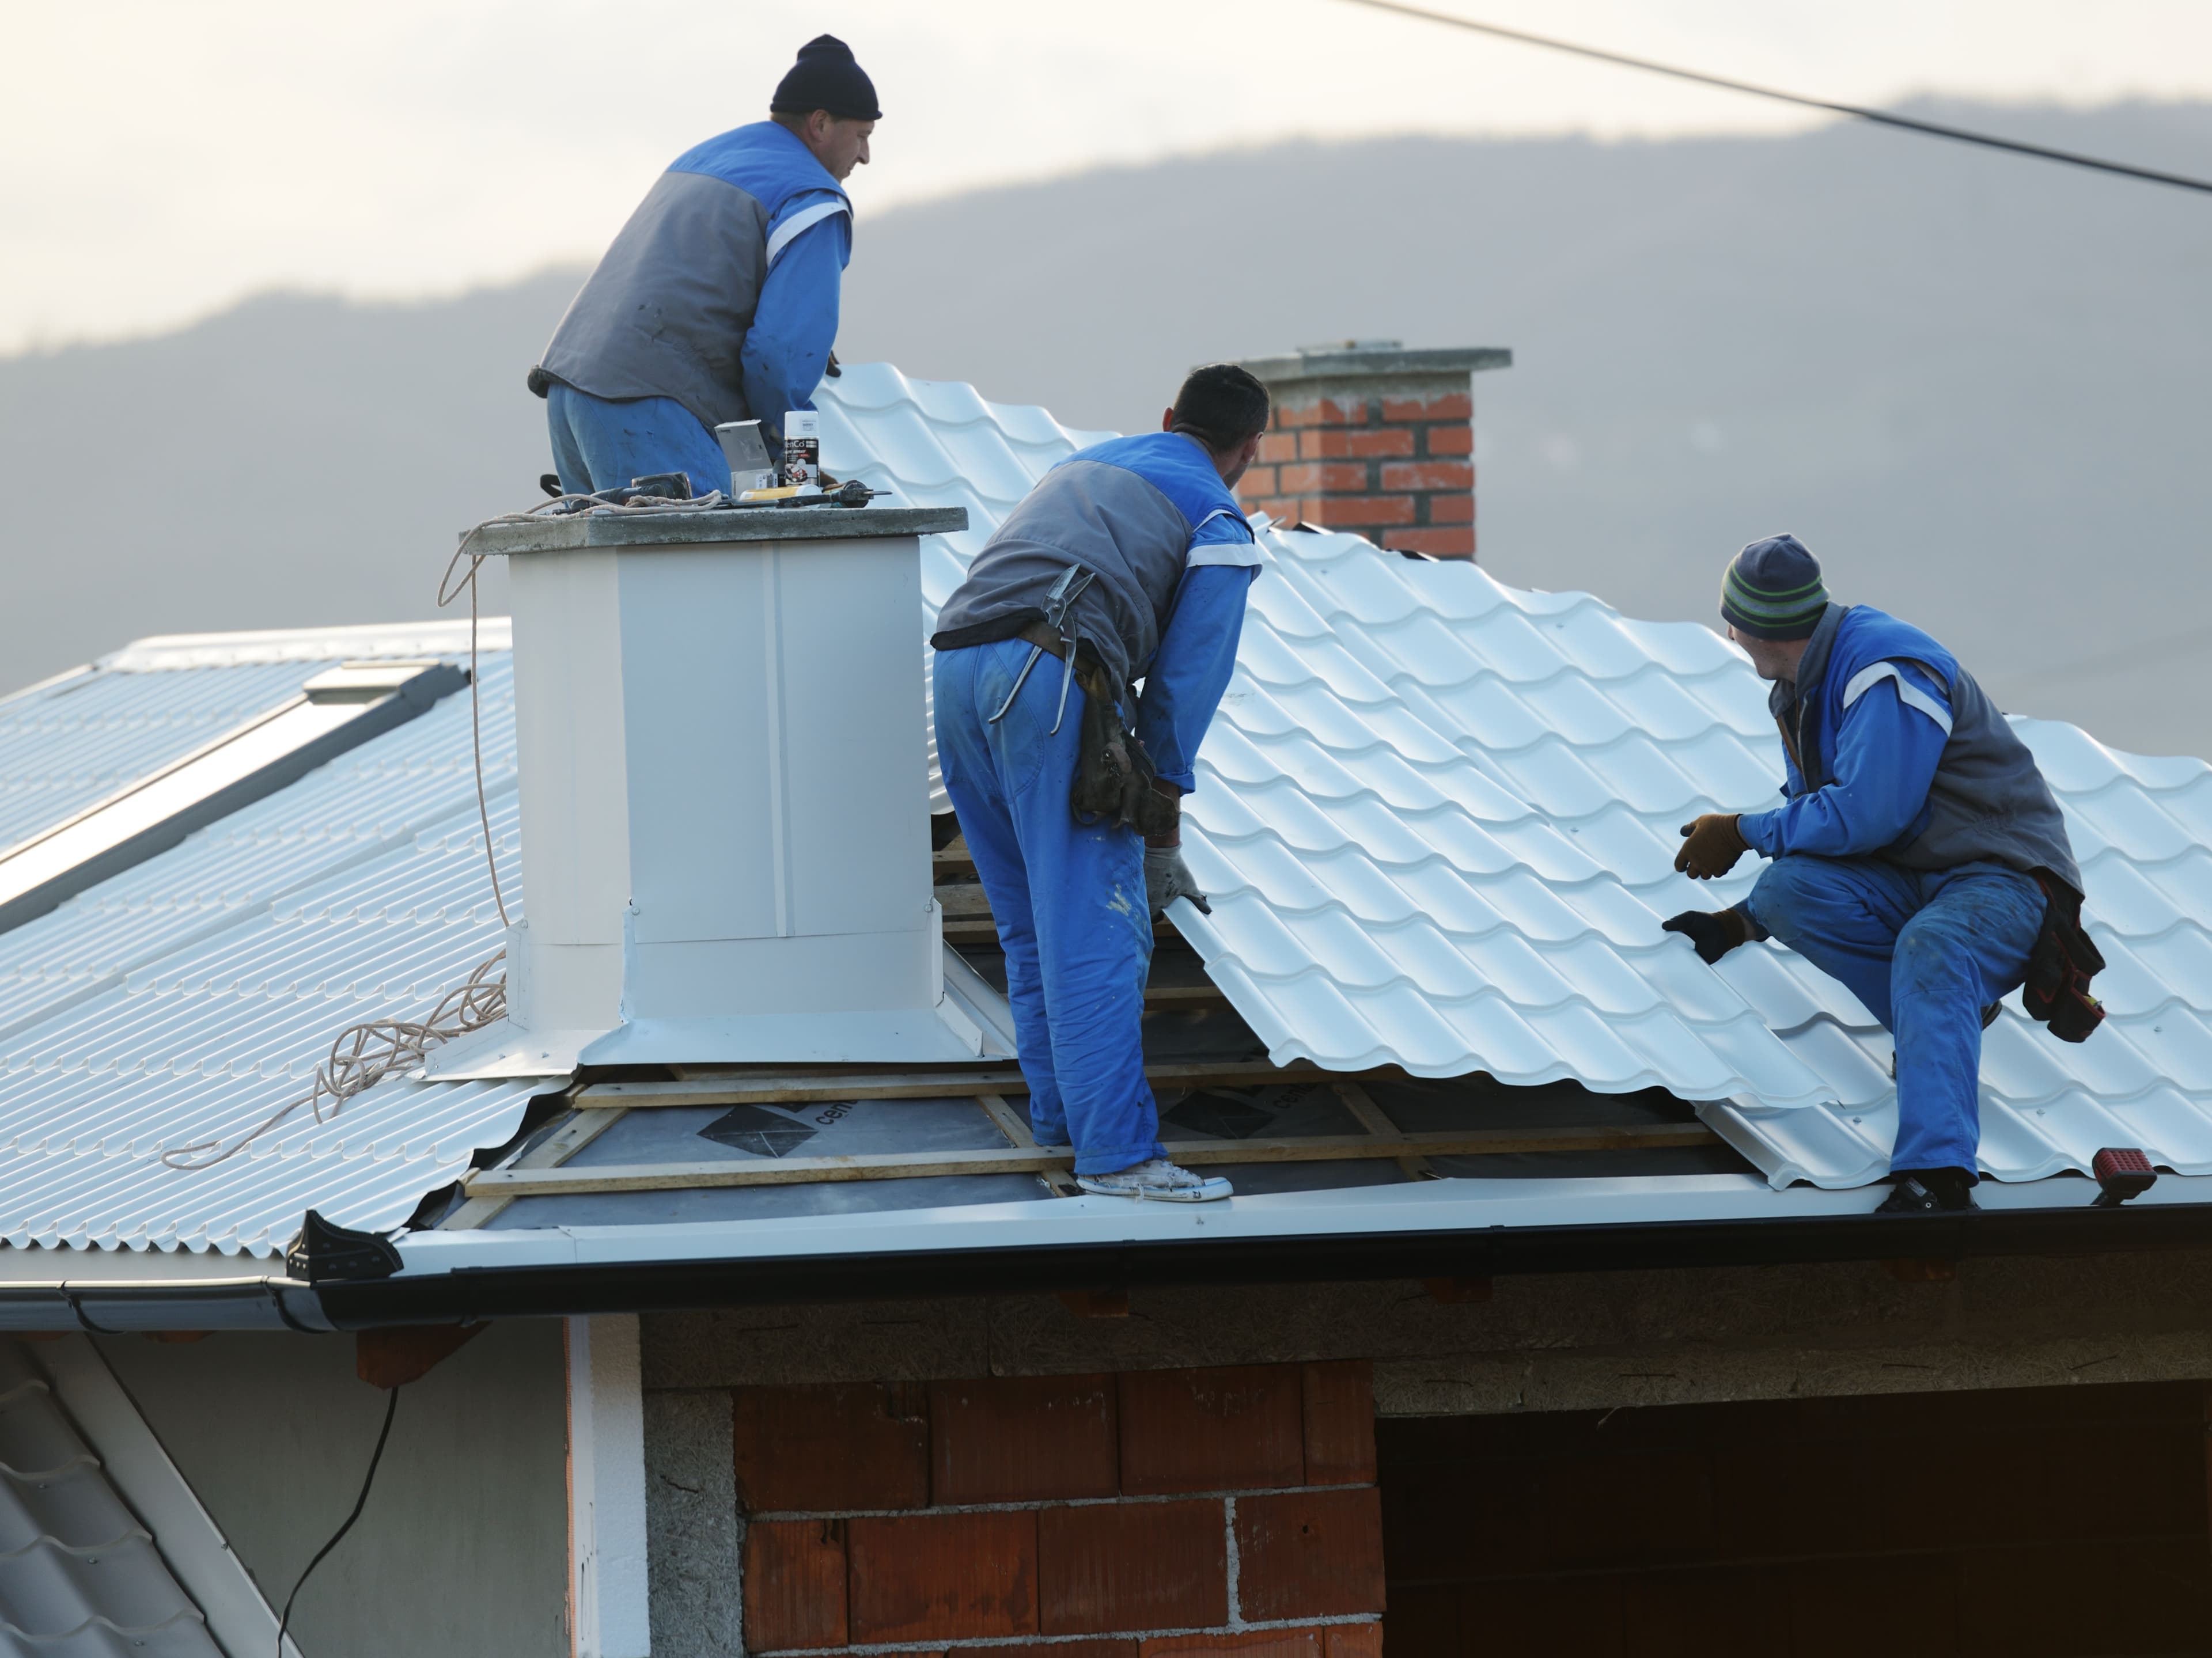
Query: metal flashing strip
[154,813]
[1473,1228]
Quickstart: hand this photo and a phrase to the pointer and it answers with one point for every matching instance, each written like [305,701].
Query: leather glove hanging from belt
[1711,847]
[1167,877]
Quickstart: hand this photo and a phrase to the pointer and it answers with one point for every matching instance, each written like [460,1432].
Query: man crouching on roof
[1917,858]
[1129,560]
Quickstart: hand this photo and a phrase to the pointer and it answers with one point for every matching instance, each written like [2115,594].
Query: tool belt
[2061,965]
[1113,774]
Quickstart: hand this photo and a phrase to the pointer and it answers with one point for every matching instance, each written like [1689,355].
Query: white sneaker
[1158,1179]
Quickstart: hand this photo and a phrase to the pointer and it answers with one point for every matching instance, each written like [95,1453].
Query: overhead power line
[1882,116]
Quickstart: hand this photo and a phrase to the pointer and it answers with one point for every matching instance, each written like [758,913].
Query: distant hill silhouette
[1981,388]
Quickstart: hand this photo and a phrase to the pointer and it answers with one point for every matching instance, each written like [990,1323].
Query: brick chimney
[1374,438]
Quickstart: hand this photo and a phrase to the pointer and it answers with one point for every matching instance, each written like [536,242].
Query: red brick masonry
[1165,1512]
[1400,470]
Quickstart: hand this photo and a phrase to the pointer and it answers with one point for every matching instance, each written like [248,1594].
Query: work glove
[1715,932]
[1710,847]
[1167,878]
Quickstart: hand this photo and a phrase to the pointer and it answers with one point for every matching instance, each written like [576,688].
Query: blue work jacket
[1893,751]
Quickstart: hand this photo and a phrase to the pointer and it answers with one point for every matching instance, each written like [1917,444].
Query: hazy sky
[166,156]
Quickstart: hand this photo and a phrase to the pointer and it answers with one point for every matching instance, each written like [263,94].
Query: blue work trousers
[1926,952]
[1069,902]
[602,443]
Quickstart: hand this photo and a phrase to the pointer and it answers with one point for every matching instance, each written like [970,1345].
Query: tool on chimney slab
[2122,1172]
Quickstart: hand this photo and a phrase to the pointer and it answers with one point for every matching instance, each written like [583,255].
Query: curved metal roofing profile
[1438,816]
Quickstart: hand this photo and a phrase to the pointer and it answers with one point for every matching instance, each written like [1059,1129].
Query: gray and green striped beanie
[1772,590]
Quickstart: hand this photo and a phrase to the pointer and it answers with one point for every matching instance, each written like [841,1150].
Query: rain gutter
[1472,1228]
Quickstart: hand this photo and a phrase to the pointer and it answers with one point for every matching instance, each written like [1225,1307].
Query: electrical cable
[449,590]
[362,1055]
[284,1623]
[1881,116]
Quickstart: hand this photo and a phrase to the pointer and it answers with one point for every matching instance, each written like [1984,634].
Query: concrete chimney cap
[1368,360]
[580,530]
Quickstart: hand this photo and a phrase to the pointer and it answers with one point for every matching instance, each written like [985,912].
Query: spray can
[802,447]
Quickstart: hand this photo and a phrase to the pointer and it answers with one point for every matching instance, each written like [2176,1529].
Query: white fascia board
[607,1584]
[1443,1206]
[197,1552]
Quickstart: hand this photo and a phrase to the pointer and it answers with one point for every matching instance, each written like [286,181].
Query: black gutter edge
[121,1307]
[1487,1252]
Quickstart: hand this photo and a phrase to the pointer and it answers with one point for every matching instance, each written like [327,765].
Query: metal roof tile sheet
[1438,824]
[1438,820]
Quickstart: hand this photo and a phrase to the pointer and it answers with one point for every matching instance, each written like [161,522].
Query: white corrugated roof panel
[71,743]
[188,998]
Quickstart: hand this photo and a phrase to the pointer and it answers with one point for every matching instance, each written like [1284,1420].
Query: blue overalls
[1174,561]
[1901,870]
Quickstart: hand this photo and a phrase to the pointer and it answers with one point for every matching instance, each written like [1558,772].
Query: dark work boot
[1929,1192]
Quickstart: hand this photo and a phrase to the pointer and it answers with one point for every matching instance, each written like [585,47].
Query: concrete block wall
[1152,1513]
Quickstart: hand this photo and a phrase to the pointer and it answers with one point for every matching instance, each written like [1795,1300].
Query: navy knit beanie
[826,78]
[1772,590]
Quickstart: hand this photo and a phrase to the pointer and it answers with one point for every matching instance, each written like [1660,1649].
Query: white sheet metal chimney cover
[724,767]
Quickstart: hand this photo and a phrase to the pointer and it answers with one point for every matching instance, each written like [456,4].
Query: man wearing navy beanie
[718,300]
[1918,854]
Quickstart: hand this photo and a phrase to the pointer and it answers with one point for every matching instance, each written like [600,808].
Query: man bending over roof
[1129,560]
[718,300]
[1919,856]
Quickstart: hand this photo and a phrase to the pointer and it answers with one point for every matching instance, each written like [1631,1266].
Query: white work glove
[1167,878]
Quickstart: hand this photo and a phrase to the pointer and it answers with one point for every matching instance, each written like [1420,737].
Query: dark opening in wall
[2044,1521]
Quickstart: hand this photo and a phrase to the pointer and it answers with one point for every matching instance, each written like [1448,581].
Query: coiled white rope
[364,1054]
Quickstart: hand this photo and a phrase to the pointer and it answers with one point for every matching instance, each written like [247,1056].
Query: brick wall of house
[1375,440]
[1156,1513]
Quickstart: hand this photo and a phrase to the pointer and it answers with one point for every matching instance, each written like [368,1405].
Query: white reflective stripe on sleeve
[805,219]
[1907,693]
[1243,552]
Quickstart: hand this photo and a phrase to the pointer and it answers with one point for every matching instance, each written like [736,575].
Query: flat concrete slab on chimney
[719,526]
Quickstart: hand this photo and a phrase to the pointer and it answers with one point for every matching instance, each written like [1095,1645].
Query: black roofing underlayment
[1200,1032]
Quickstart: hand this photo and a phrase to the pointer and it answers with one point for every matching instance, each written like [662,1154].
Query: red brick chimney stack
[1372,438]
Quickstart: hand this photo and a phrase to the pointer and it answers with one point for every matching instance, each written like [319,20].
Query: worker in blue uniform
[718,300]
[1129,560]
[1914,855]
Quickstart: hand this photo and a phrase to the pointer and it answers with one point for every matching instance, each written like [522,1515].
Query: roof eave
[586,1270]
